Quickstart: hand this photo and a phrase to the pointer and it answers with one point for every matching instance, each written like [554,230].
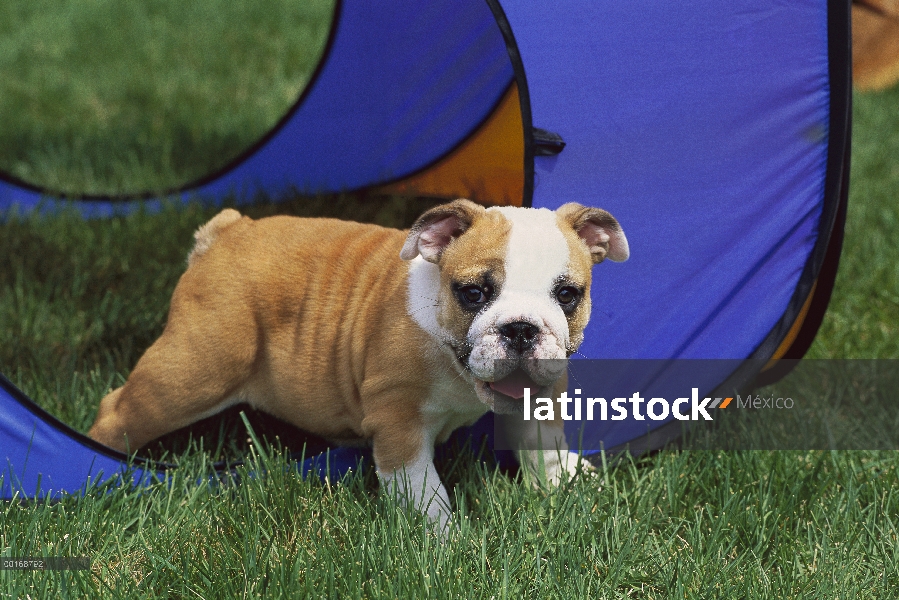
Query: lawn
[80,301]
[125,97]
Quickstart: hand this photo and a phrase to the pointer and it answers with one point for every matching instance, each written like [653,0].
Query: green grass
[678,525]
[80,301]
[863,321]
[111,97]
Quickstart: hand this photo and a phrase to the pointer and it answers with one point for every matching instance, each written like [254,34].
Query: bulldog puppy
[363,334]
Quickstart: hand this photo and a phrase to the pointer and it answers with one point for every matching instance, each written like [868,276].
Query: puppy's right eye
[473,295]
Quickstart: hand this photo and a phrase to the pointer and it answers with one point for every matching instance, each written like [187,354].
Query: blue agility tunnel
[717,134]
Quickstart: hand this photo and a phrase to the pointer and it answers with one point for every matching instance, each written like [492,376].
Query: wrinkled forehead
[537,252]
[519,248]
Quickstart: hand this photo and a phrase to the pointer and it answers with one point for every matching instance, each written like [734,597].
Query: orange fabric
[793,332]
[875,44]
[488,167]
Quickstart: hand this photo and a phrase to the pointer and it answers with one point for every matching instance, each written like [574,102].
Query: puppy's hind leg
[188,374]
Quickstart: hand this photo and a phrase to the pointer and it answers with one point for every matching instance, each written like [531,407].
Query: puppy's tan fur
[274,312]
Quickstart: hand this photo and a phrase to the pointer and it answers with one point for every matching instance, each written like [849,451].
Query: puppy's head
[507,289]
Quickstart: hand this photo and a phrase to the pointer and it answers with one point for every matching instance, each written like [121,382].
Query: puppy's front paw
[562,466]
[553,467]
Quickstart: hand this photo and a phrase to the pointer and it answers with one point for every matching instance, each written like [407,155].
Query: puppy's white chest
[450,405]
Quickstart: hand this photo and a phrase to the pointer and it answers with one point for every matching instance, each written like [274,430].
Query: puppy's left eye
[474,295]
[567,295]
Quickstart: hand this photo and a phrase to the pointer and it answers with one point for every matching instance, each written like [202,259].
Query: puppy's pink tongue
[513,384]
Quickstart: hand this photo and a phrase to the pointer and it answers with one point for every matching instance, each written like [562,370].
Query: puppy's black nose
[519,335]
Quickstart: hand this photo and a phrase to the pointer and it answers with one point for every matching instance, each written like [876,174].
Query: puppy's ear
[599,230]
[434,230]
